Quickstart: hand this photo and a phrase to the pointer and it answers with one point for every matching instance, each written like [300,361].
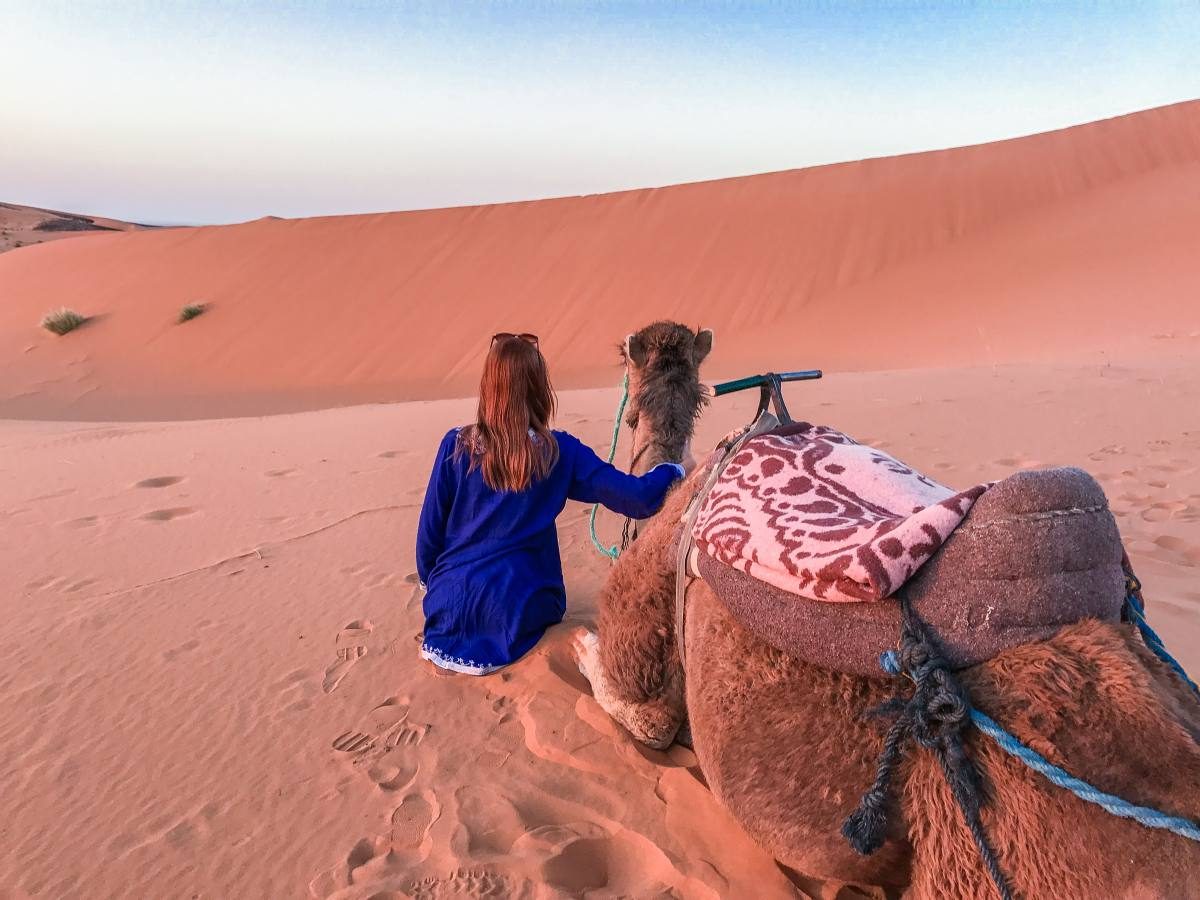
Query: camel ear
[635,350]
[703,345]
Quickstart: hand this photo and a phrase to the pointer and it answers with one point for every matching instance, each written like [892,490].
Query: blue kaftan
[489,559]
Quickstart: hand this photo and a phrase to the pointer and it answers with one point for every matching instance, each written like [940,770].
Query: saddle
[808,536]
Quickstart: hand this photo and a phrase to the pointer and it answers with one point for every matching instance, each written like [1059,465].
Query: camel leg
[633,664]
[654,722]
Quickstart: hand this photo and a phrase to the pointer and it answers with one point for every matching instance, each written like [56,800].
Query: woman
[487,549]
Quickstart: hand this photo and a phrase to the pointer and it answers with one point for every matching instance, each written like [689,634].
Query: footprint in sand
[410,825]
[279,473]
[293,693]
[468,884]
[394,771]
[407,735]
[1164,510]
[159,481]
[166,515]
[385,862]
[383,745]
[378,724]
[579,866]
[1172,543]
[169,655]
[379,579]
[490,823]
[350,649]
[504,710]
[1178,551]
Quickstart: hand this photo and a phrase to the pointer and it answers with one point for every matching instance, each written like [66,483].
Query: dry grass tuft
[62,320]
[190,311]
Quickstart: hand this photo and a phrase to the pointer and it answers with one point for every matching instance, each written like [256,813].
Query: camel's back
[788,748]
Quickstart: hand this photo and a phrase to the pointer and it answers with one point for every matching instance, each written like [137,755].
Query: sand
[185,600]
[210,625]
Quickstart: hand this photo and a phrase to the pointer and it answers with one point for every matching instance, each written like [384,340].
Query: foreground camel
[786,748]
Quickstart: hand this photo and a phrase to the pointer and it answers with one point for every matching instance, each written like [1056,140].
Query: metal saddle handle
[770,387]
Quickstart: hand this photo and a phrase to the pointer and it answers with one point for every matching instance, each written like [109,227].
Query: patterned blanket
[811,511]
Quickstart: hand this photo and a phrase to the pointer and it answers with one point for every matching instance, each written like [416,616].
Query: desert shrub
[190,311]
[70,223]
[62,320]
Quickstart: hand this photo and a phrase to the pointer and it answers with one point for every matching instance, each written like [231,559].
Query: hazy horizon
[169,113]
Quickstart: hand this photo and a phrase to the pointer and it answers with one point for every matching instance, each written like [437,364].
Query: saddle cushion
[811,511]
[1037,551]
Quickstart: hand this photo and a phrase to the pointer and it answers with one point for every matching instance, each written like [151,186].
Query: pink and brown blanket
[812,511]
[806,529]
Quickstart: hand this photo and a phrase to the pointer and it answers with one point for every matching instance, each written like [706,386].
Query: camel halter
[770,393]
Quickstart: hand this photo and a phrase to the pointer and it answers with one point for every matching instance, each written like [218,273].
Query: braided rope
[933,717]
[614,551]
[1151,818]
[1135,609]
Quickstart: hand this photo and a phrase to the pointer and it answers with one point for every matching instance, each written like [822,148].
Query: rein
[614,551]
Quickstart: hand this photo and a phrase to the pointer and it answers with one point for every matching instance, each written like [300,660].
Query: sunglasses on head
[523,336]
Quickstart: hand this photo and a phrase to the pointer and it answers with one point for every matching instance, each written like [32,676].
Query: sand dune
[21,226]
[1025,249]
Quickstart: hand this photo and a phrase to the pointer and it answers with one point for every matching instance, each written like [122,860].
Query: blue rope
[1137,613]
[614,551]
[1151,818]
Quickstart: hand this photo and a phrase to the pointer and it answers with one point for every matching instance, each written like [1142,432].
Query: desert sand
[212,686]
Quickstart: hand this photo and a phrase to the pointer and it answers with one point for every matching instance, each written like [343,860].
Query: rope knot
[934,717]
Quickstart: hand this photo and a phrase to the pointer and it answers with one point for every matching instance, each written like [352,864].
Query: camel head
[665,393]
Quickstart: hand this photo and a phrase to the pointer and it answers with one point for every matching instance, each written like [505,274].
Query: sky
[218,111]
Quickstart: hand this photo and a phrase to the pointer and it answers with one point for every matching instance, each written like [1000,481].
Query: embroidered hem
[456,663]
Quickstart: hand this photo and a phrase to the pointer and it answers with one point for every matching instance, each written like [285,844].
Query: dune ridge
[1022,249]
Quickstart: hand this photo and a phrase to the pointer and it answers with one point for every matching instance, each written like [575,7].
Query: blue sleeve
[431,528]
[595,481]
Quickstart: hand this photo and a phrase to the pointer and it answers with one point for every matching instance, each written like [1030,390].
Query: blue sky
[225,111]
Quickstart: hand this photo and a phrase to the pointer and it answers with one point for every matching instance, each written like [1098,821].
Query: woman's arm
[431,528]
[637,496]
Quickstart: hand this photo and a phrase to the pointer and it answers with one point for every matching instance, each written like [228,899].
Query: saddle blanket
[811,511]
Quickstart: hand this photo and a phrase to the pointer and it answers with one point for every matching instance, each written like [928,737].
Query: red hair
[511,442]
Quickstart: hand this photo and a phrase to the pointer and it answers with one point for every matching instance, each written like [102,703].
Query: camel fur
[788,749]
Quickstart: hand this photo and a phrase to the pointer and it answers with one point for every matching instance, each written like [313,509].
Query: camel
[788,747]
